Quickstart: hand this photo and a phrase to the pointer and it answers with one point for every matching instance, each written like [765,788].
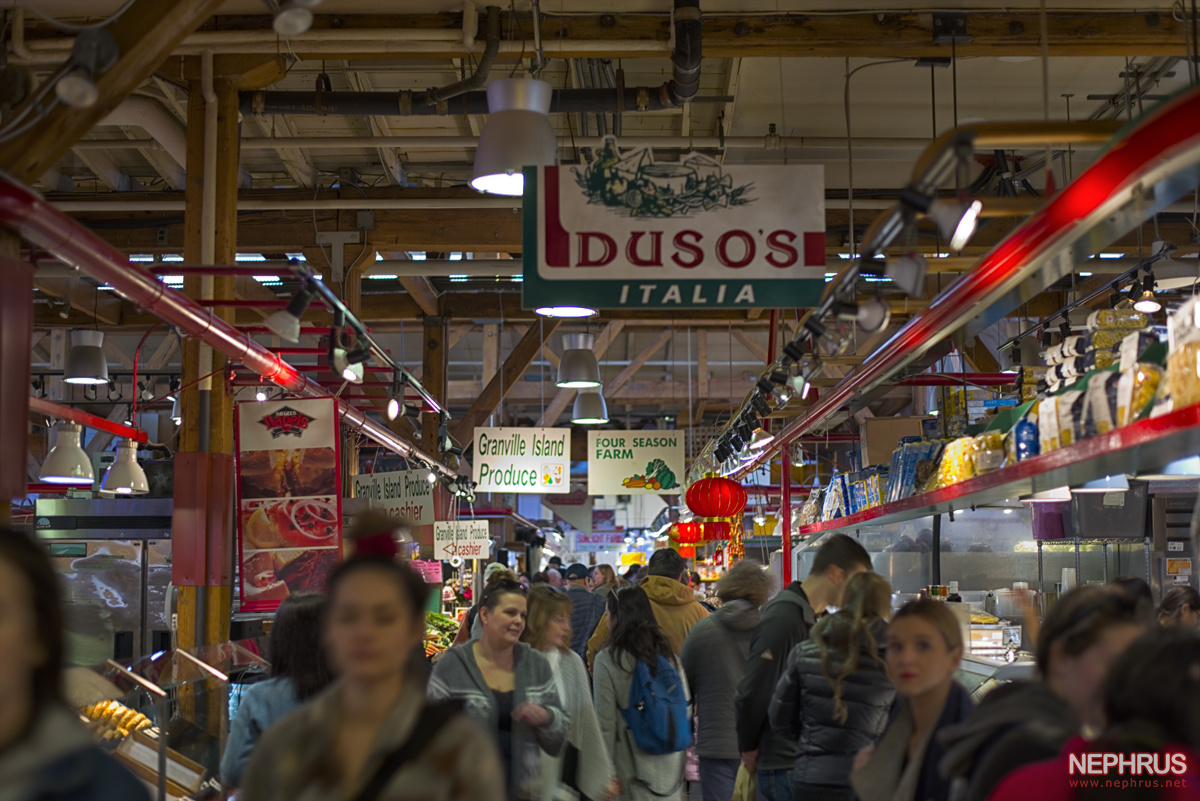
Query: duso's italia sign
[628,232]
[533,460]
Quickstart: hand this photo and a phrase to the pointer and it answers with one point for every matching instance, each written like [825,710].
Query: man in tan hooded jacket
[675,607]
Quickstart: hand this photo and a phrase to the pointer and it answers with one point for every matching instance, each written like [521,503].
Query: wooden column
[433,378]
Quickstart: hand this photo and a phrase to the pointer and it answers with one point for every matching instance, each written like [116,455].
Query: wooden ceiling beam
[145,34]
[84,297]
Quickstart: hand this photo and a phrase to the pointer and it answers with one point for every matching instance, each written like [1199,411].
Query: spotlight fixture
[761,439]
[94,53]
[432,477]
[1147,303]
[146,390]
[518,134]
[956,220]
[793,352]
[86,362]
[348,363]
[745,431]
[907,272]
[176,417]
[262,393]
[760,405]
[286,322]
[871,315]
[589,409]
[578,368]
[67,463]
[735,442]
[125,476]
[395,404]
[1064,328]
[294,17]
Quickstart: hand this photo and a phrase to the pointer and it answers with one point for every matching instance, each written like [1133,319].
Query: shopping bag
[744,788]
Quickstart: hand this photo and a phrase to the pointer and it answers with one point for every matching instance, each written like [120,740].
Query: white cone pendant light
[125,476]
[590,409]
[67,463]
[578,368]
[518,134]
[86,363]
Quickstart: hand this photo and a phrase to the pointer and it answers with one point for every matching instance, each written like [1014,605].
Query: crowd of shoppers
[819,694]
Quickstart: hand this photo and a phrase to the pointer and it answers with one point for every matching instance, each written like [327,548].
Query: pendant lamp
[518,134]
[125,476]
[590,409]
[86,363]
[578,368]
[67,463]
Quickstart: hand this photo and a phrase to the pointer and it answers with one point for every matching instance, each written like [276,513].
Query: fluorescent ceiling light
[565,311]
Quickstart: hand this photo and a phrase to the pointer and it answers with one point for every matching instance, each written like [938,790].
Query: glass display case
[166,716]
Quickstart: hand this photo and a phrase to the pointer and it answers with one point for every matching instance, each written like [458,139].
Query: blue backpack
[658,709]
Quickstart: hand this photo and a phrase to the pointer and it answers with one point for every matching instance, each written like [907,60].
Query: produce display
[439,632]
[111,720]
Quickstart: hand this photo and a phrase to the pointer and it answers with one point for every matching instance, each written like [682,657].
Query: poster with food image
[289,498]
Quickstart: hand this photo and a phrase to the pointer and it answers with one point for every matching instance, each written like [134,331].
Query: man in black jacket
[586,608]
[785,622]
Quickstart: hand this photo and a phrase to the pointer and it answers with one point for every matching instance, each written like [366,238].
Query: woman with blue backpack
[642,701]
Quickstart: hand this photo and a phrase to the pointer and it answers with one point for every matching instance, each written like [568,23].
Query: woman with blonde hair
[604,580]
[835,694]
[585,767]
[924,649]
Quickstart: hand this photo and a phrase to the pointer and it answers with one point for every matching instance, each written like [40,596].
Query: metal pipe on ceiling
[35,220]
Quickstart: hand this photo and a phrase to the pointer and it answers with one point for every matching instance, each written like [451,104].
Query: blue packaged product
[1028,443]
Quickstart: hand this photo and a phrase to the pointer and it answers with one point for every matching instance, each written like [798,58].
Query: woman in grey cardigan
[508,687]
[634,636]
[586,759]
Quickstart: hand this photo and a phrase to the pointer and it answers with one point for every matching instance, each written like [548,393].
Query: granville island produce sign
[629,232]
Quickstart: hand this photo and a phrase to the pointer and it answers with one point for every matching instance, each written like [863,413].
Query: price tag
[1175,545]
[1129,351]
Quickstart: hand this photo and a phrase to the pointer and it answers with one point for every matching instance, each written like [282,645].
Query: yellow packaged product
[957,463]
[1135,389]
[1108,338]
[1117,318]
[988,451]
[1048,425]
[1183,375]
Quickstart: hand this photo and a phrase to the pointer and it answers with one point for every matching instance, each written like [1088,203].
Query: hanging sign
[532,460]
[635,462]
[627,232]
[466,539]
[404,495]
[601,541]
[289,498]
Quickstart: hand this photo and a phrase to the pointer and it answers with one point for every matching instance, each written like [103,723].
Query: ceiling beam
[758,350]
[422,292]
[145,34]
[103,306]
[638,361]
[510,373]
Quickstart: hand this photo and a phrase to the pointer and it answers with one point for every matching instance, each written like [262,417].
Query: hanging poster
[289,498]
[600,541]
[635,462]
[466,539]
[626,231]
[532,460]
[404,495]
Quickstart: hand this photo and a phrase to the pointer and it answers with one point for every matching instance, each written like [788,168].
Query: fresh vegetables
[439,632]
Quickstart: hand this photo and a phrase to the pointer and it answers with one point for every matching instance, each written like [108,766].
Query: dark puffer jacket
[803,705]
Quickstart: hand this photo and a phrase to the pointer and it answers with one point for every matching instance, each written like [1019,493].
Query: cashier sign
[466,539]
[627,232]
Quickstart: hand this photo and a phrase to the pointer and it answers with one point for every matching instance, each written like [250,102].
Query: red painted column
[785,510]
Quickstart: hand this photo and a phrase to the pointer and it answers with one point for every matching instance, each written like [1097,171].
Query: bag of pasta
[1183,362]
[1136,388]
[1117,318]
[1070,417]
[987,451]
[1101,408]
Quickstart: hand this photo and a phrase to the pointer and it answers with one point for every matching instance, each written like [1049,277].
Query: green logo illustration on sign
[628,232]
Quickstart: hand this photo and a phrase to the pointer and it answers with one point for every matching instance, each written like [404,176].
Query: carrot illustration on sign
[657,477]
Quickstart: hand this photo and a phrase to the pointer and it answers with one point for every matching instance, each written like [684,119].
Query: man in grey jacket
[586,609]
[786,622]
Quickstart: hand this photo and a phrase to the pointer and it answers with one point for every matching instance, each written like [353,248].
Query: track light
[348,363]
[1147,303]
[760,405]
[176,416]
[761,439]
[286,322]
[1064,328]
[432,477]
[735,442]
[518,134]
[907,272]
[67,463]
[86,362]
[793,352]
[956,220]
[262,393]
[871,315]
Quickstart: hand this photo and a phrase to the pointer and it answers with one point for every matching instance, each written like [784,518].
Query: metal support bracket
[950,27]
[338,240]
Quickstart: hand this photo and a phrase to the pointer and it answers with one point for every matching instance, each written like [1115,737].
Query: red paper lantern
[687,533]
[717,530]
[716,497]
[687,551]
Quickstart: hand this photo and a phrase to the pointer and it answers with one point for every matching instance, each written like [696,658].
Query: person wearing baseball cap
[586,608]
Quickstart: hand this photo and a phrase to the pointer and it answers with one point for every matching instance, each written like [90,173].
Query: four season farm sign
[628,232]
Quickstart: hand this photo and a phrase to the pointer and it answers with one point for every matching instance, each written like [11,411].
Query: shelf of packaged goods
[1143,447]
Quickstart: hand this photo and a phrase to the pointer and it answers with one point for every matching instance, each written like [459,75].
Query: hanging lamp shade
[518,134]
[86,363]
[67,463]
[578,368]
[125,476]
[590,409]
[715,496]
